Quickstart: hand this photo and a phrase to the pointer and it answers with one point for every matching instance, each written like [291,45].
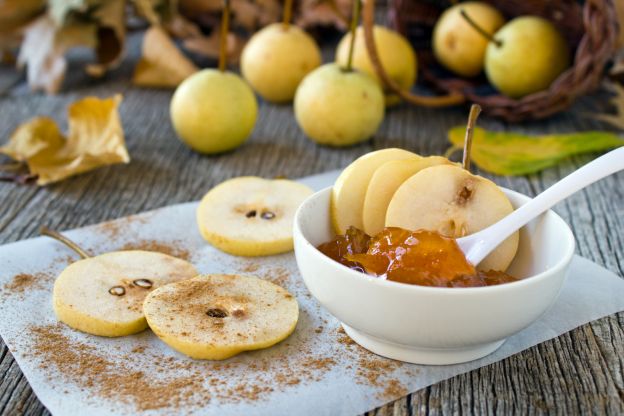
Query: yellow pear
[395,52]
[250,216]
[214,317]
[213,111]
[277,58]
[528,54]
[456,44]
[103,295]
[349,191]
[386,179]
[339,107]
[452,201]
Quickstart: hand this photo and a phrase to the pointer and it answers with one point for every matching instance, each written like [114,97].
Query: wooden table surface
[579,372]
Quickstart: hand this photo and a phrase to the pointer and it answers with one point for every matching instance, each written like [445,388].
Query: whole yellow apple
[395,52]
[456,44]
[339,107]
[528,55]
[213,111]
[277,58]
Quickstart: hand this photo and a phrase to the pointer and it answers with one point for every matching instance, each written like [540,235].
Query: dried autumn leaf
[162,64]
[95,139]
[195,7]
[59,10]
[14,16]
[44,47]
[208,46]
[324,13]
[182,28]
[111,36]
[14,13]
[505,153]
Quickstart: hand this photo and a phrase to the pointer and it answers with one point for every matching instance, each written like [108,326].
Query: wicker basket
[591,29]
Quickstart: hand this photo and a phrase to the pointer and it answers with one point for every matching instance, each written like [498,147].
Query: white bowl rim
[454,291]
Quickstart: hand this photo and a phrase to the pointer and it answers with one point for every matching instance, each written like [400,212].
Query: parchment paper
[316,371]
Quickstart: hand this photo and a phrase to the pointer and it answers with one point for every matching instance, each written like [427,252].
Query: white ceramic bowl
[429,325]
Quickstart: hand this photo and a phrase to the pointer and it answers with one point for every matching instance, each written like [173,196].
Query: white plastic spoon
[477,246]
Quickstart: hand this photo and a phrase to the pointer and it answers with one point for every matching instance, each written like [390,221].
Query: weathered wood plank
[581,371]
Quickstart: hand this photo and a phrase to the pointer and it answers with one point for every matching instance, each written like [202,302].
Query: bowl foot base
[417,355]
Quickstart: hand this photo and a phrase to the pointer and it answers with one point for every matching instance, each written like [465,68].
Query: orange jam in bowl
[424,258]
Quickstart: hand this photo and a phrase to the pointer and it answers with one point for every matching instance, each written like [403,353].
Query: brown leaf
[44,47]
[95,139]
[252,15]
[162,64]
[617,119]
[111,36]
[195,7]
[249,15]
[182,28]
[14,16]
[209,45]
[324,13]
[16,13]
[147,9]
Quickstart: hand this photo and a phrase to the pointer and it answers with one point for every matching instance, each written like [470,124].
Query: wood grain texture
[579,372]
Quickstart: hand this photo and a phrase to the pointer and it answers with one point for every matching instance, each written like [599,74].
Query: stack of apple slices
[397,188]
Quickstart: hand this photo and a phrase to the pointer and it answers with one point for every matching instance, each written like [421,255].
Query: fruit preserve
[421,257]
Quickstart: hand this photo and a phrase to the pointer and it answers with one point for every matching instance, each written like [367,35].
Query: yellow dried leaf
[95,139]
[162,64]
[37,139]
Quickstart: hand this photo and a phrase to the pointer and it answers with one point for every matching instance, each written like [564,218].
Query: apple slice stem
[60,237]
[287,13]
[225,27]
[475,110]
[479,29]
[355,19]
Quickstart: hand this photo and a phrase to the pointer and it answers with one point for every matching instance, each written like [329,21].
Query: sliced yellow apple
[455,203]
[104,295]
[214,317]
[385,181]
[250,216]
[349,191]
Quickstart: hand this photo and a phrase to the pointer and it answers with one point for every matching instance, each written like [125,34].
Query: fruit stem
[475,110]
[287,13]
[60,237]
[479,29]
[225,27]
[355,19]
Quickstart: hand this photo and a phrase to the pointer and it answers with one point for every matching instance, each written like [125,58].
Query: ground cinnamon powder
[147,380]
[21,283]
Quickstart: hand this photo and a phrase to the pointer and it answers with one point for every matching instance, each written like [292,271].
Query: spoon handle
[479,245]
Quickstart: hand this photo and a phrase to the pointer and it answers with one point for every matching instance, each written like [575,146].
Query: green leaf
[505,153]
